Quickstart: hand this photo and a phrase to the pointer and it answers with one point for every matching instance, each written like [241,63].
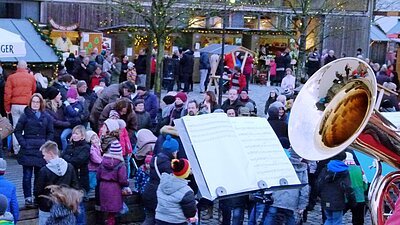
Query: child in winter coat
[238,80]
[112,179]
[95,157]
[6,218]
[74,109]
[77,153]
[73,113]
[142,176]
[112,124]
[65,204]
[176,203]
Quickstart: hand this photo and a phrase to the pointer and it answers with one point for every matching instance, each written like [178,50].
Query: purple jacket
[112,178]
[95,158]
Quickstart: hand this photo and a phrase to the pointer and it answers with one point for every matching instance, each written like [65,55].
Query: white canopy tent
[11,45]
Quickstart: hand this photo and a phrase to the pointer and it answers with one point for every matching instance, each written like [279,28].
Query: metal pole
[220,82]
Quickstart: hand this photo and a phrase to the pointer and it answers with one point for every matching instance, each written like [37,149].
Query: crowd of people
[97,130]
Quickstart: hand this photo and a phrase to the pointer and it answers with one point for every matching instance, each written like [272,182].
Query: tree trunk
[149,50]
[301,60]
[159,66]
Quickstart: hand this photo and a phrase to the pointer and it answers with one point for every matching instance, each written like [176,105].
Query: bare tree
[307,19]
[162,18]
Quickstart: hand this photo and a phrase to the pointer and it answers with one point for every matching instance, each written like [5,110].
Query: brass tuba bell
[334,110]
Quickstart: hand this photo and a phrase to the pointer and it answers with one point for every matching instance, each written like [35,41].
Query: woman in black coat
[33,129]
[55,109]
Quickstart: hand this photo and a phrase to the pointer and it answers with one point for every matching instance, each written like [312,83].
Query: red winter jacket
[238,82]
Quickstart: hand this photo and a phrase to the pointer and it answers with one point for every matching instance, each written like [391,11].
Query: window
[10,10]
[251,22]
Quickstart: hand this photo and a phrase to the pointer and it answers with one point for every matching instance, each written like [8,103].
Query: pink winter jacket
[125,142]
[95,158]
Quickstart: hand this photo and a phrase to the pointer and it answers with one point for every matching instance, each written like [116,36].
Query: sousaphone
[334,110]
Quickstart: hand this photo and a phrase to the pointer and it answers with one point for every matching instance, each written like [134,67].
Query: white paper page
[393,117]
[264,151]
[219,152]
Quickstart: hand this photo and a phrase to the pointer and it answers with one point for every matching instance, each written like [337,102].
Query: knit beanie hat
[52,93]
[72,93]
[113,113]
[170,144]
[182,96]
[169,99]
[3,204]
[115,148]
[180,168]
[3,166]
[89,135]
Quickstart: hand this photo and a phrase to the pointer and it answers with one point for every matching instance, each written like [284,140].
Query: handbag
[5,128]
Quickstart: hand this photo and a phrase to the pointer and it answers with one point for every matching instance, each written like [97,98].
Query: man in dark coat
[232,101]
[141,67]
[187,62]
[204,67]
[84,71]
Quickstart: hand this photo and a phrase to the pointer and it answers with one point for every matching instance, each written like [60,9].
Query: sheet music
[264,151]
[219,152]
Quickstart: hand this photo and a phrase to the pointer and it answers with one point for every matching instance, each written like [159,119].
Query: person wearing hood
[144,145]
[273,95]
[289,205]
[33,129]
[176,202]
[57,171]
[6,218]
[160,163]
[112,179]
[280,127]
[334,189]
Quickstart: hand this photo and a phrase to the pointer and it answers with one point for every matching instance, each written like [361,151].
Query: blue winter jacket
[32,132]
[8,189]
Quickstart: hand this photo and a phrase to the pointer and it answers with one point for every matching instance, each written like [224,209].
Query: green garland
[46,39]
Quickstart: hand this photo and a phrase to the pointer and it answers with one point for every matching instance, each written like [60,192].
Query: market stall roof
[395,29]
[376,34]
[37,51]
[216,49]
